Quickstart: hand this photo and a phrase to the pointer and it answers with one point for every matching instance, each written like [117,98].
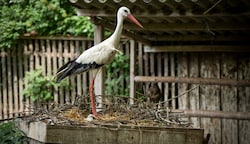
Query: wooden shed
[196,50]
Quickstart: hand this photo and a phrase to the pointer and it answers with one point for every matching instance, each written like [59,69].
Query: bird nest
[115,111]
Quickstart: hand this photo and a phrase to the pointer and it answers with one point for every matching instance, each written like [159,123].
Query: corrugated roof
[168,21]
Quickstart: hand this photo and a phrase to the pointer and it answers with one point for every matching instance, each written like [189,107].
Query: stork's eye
[126,11]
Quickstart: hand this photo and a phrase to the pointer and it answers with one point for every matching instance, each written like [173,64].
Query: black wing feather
[72,67]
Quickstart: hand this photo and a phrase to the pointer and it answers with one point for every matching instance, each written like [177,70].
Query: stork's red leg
[92,98]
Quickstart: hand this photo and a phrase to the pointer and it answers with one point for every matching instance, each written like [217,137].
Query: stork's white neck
[115,37]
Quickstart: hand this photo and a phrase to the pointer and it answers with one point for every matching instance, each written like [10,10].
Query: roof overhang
[176,21]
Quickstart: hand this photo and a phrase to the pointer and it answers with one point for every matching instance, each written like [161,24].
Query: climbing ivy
[117,72]
[40,88]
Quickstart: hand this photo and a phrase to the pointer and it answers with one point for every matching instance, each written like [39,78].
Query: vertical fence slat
[43,56]
[140,59]
[26,68]
[152,65]
[78,77]
[159,68]
[48,56]
[32,64]
[9,81]
[60,62]
[244,98]
[21,75]
[1,86]
[4,83]
[85,45]
[229,99]
[72,79]
[183,100]
[15,81]
[166,71]
[66,59]
[210,95]
[194,94]
[173,90]
[54,61]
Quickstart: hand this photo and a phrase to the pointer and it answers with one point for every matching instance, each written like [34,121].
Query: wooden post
[132,72]
[99,80]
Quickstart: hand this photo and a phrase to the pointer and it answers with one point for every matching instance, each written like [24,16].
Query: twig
[213,6]
[180,95]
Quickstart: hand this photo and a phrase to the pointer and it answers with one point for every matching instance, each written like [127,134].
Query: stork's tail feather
[65,70]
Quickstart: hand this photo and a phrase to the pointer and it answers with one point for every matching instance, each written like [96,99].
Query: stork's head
[124,12]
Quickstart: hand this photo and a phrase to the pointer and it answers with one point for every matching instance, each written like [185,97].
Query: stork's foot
[91,117]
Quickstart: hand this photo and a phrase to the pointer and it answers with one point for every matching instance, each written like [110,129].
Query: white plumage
[99,55]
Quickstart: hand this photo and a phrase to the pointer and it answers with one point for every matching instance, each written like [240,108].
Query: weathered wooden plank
[15,81]
[159,67]
[182,71]
[173,90]
[1,86]
[146,64]
[4,86]
[20,57]
[140,59]
[72,80]
[60,62]
[198,48]
[66,59]
[56,38]
[111,134]
[210,95]
[166,73]
[152,64]
[78,77]
[33,48]
[36,53]
[132,72]
[10,85]
[213,114]
[99,86]
[49,57]
[26,68]
[229,98]
[54,69]
[194,80]
[243,97]
[43,56]
[84,87]
[194,94]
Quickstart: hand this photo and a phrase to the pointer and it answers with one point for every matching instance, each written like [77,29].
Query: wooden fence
[50,53]
[221,66]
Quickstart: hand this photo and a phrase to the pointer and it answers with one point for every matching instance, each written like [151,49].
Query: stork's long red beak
[134,20]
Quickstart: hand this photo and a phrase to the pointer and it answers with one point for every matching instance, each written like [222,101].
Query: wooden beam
[99,80]
[221,26]
[132,72]
[192,80]
[197,37]
[198,48]
[213,114]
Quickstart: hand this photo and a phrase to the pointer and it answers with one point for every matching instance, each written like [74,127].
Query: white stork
[97,56]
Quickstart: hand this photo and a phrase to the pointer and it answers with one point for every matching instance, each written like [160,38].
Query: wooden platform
[110,134]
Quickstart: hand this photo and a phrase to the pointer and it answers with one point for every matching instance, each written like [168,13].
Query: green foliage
[40,88]
[117,71]
[42,17]
[10,134]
